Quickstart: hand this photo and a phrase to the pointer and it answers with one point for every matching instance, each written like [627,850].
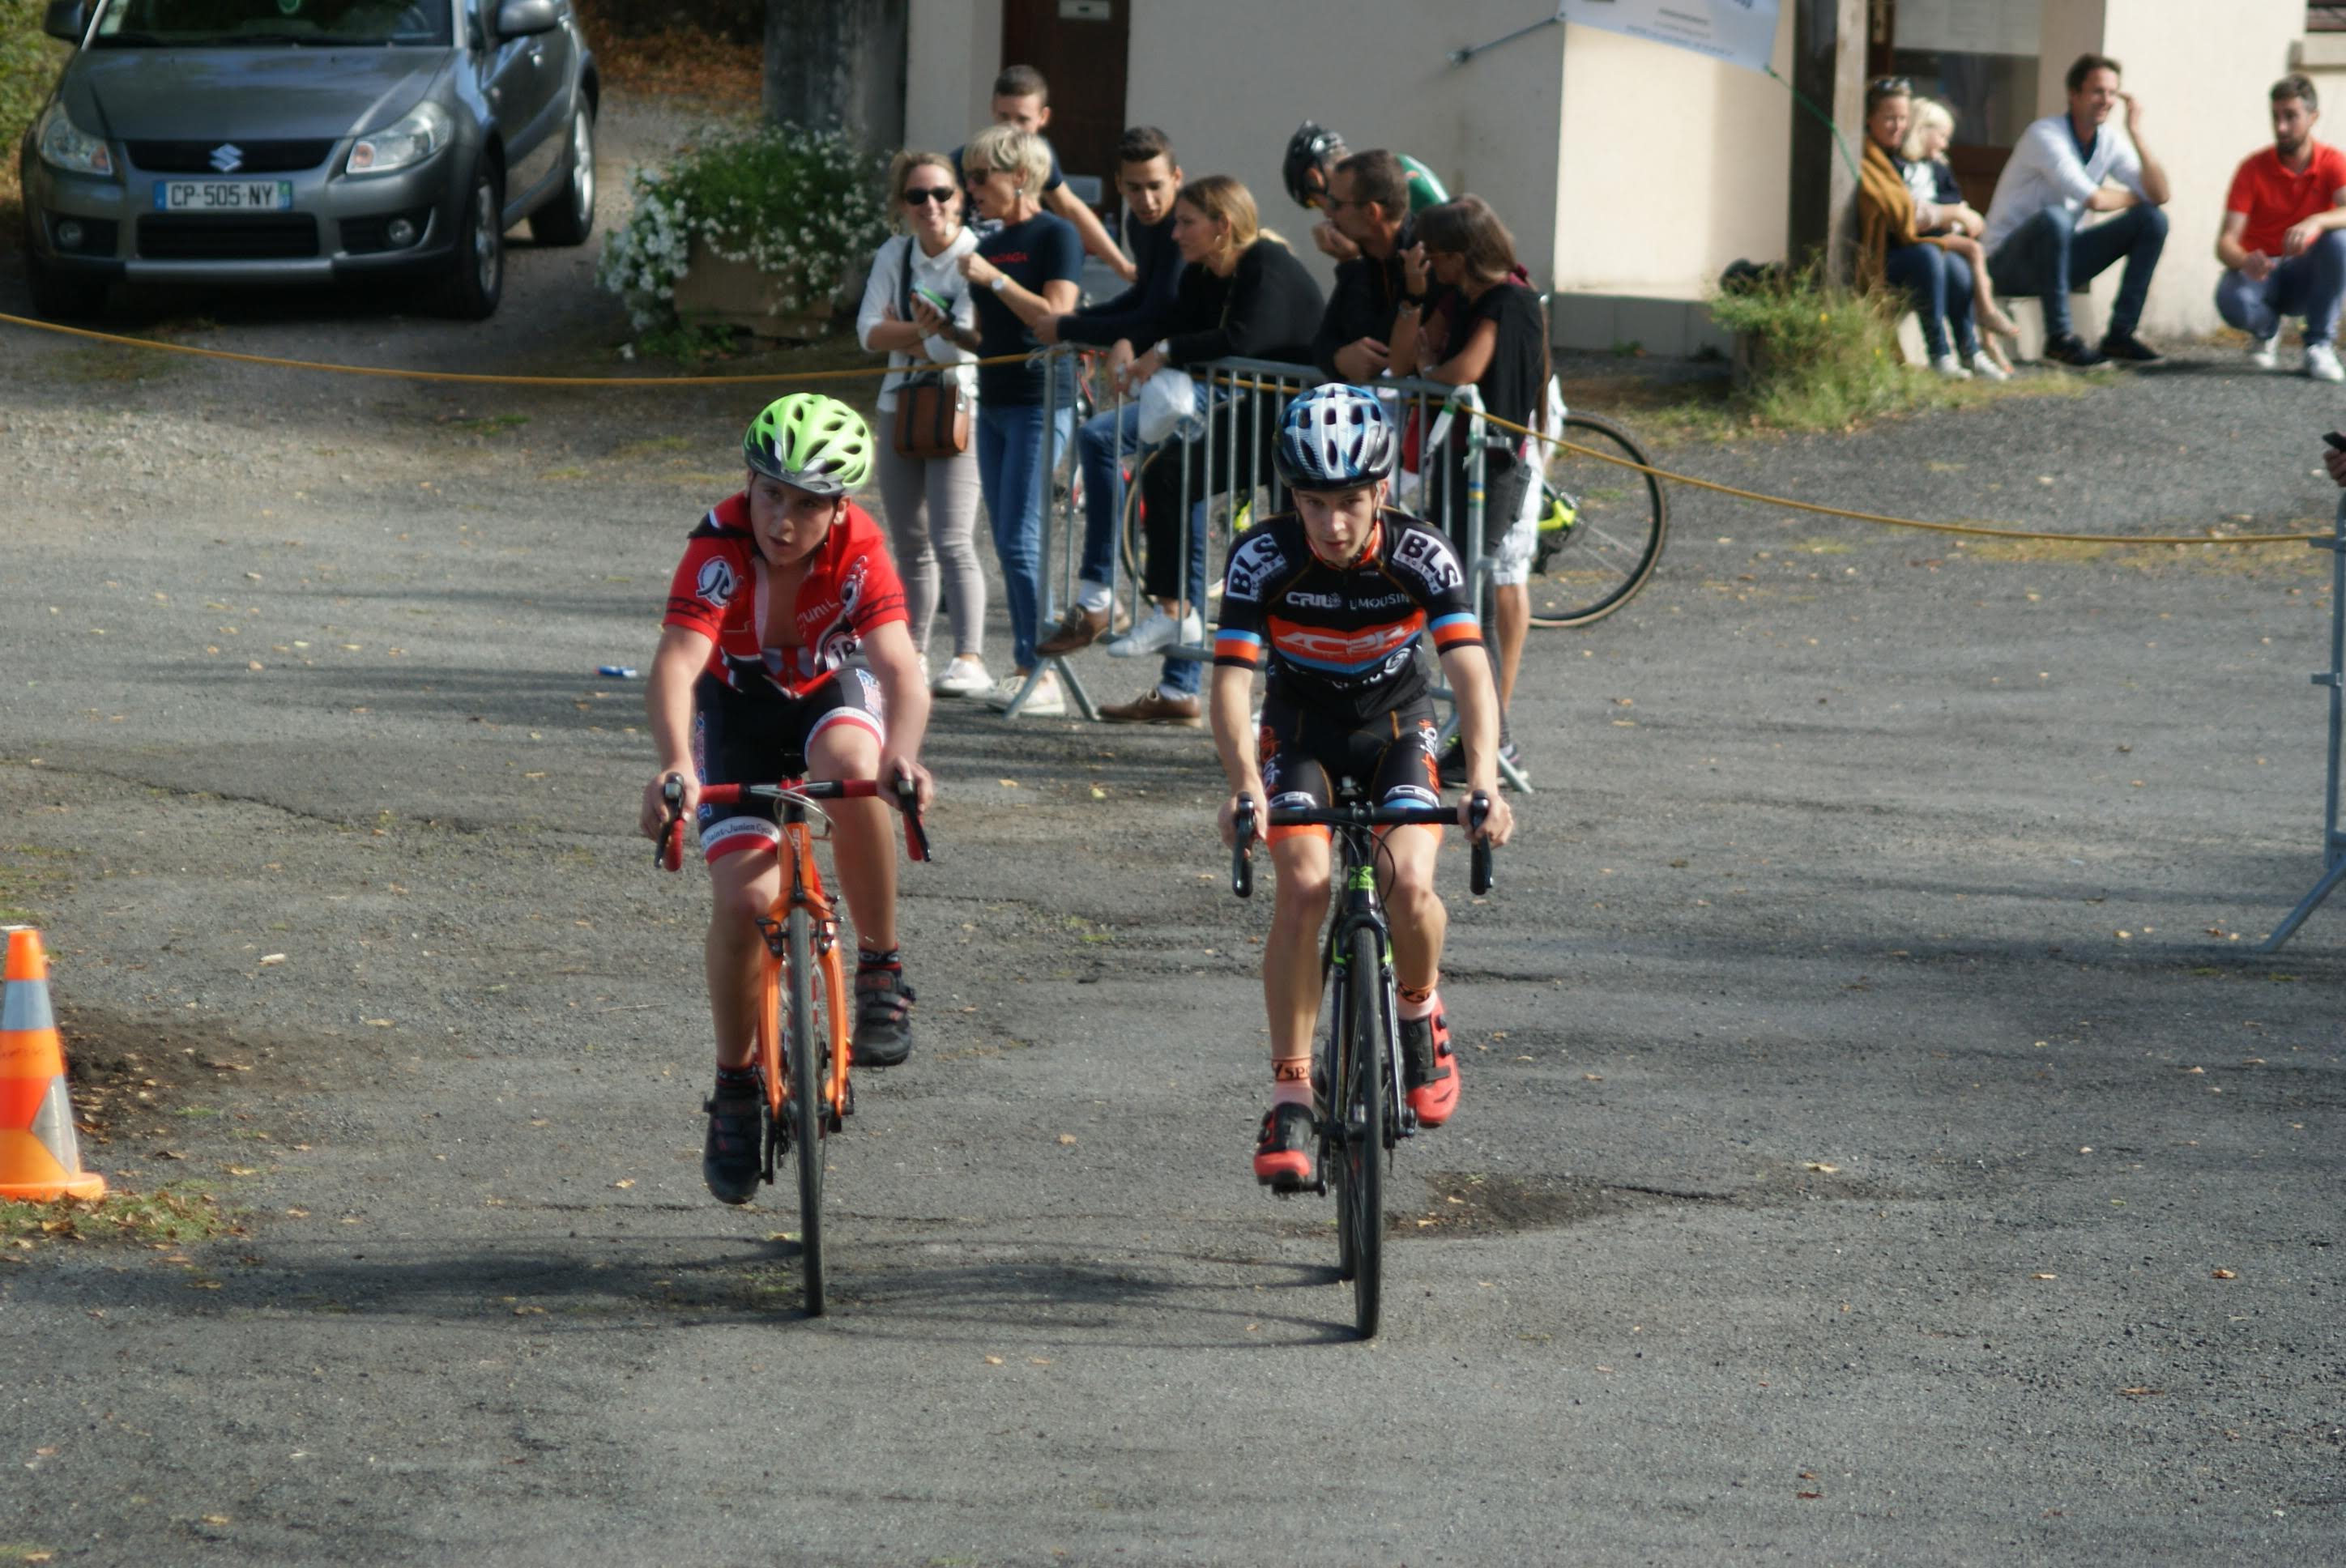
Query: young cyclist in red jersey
[1332,601]
[786,652]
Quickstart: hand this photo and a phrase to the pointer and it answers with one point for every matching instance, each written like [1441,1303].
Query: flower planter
[728,294]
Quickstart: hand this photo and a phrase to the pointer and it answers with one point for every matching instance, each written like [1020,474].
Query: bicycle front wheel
[1601,525]
[1360,1194]
[806,1048]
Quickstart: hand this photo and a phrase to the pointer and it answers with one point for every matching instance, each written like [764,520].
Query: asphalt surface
[1880,1143]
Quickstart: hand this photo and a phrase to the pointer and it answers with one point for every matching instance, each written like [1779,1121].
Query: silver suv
[288,141]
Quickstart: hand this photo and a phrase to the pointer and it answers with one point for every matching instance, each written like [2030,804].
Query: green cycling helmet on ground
[811,443]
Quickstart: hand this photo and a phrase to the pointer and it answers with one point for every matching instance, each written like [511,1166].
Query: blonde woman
[1022,274]
[930,503]
[1243,293]
[1930,126]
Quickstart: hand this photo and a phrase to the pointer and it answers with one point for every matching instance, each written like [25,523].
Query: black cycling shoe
[883,1019]
[1285,1151]
[734,1159]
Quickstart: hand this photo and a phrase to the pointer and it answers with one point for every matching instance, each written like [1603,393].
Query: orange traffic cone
[40,1160]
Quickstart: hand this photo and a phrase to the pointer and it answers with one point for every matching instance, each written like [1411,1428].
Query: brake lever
[1478,865]
[668,849]
[1242,848]
[916,837]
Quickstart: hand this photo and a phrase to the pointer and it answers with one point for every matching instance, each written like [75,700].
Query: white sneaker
[1983,364]
[2264,353]
[1048,701]
[1951,367]
[2321,364]
[965,677]
[1157,632]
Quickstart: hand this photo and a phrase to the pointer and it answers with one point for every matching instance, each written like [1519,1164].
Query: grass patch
[487,423]
[653,447]
[111,364]
[177,1211]
[28,873]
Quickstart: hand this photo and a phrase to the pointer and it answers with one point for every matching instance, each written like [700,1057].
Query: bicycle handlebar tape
[40,1159]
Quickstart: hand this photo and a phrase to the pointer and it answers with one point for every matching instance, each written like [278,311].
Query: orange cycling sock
[1290,1082]
[1416,1002]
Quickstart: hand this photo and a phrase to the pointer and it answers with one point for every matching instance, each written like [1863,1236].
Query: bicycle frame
[806,893]
[1357,907]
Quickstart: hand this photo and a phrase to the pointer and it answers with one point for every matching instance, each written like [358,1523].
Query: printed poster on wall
[1739,32]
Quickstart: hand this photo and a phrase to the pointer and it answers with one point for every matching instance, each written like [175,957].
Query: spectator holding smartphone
[917,310]
[1021,274]
[2283,243]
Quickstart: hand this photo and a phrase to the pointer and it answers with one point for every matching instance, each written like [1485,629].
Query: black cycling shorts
[1306,758]
[762,738]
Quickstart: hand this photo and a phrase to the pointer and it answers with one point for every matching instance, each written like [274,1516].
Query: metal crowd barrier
[2333,842]
[1236,432]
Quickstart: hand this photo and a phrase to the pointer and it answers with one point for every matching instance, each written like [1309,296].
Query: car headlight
[421,132]
[64,145]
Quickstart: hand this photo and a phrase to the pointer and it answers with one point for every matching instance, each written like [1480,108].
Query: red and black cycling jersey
[719,591]
[1344,642]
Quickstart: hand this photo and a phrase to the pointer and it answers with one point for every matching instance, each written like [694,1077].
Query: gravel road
[1880,1143]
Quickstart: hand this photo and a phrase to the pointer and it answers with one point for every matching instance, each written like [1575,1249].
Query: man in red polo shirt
[2284,239]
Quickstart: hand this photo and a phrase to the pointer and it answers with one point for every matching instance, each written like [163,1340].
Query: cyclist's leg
[845,731]
[1405,775]
[1285,1151]
[731,733]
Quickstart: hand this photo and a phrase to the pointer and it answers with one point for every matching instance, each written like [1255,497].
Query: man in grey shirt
[2061,170]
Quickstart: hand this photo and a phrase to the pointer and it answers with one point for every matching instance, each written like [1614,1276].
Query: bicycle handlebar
[1360,815]
[668,851]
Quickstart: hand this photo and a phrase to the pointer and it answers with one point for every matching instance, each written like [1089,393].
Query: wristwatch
[1000,281]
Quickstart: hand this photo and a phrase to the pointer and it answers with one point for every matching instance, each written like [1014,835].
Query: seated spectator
[1148,176]
[2061,170]
[1891,248]
[1368,201]
[1022,274]
[2283,242]
[1932,178]
[1312,154]
[1496,340]
[1023,98]
[1243,295]
[931,502]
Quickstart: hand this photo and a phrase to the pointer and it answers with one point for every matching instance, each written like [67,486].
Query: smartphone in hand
[936,301]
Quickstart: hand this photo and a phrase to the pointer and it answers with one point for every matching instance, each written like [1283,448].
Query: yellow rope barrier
[1786,502]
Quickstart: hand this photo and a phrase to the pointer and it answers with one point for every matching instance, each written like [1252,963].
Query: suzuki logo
[228,157]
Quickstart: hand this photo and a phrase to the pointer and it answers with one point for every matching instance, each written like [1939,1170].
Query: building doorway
[1979,57]
[1081,49]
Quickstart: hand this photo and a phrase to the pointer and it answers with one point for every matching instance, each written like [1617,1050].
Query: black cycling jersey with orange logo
[1343,641]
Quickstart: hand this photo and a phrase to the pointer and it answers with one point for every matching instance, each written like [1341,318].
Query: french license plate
[223,196]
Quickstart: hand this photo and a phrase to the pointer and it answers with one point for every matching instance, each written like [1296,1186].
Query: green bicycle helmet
[811,443]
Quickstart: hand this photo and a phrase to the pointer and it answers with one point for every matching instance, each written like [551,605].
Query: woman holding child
[1895,242]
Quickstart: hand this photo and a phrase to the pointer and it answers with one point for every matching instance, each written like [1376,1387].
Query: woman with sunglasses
[930,503]
[1893,244]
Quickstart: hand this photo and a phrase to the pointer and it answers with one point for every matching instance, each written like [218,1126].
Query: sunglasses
[940,194]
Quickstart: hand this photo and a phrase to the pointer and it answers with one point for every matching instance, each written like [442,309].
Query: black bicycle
[1360,1109]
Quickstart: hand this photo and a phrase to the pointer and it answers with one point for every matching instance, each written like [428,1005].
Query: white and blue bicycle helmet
[1336,436]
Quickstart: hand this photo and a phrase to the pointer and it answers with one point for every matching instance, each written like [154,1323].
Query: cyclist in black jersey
[1332,601]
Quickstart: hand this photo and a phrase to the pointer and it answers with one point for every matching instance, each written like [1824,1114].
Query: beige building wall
[2203,82]
[1671,166]
[953,50]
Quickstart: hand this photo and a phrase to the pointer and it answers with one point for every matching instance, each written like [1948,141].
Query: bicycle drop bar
[907,793]
[1360,815]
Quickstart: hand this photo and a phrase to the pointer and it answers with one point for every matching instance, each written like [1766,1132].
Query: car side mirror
[520,18]
[65,19]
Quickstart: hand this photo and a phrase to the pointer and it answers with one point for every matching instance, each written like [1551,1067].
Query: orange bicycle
[803,998]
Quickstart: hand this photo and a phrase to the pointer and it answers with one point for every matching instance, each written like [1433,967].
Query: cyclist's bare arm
[1230,704]
[888,649]
[668,705]
[1468,671]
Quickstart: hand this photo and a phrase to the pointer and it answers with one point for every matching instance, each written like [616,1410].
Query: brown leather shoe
[1153,707]
[1079,629]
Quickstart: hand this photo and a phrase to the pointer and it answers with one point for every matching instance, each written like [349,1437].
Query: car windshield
[271,24]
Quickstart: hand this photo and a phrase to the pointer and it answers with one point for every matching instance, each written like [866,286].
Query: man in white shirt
[2064,168]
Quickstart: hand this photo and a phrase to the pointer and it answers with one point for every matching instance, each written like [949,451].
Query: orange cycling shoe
[1283,1151]
[1427,1068]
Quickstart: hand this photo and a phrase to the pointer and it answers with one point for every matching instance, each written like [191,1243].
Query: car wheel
[569,215]
[476,271]
[60,295]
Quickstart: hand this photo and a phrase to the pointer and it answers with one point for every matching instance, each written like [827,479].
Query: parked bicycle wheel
[1360,1165]
[1601,526]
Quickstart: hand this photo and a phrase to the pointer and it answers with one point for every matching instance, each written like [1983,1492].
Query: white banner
[1739,32]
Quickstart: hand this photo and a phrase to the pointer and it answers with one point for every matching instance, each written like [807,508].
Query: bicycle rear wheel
[1361,1195]
[806,1047]
[1601,526]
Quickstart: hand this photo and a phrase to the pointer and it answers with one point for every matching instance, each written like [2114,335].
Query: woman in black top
[1243,295]
[1496,339]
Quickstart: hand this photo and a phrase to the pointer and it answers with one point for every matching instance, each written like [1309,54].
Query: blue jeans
[1011,474]
[1101,445]
[2049,255]
[2311,286]
[1939,281]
